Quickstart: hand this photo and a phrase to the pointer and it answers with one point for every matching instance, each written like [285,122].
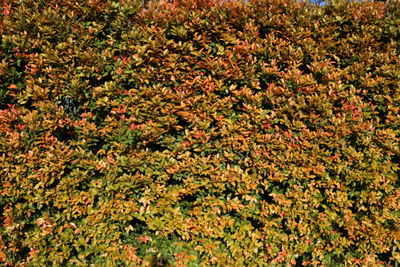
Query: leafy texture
[199,133]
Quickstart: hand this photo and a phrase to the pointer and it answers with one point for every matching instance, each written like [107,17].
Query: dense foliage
[198,133]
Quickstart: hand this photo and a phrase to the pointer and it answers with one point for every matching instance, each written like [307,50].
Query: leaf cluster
[199,133]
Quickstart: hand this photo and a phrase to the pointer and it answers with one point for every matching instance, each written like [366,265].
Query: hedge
[199,133]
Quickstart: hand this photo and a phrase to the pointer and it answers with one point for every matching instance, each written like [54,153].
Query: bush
[197,133]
